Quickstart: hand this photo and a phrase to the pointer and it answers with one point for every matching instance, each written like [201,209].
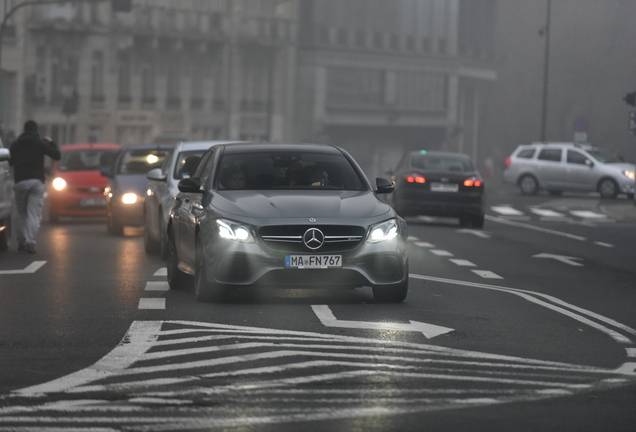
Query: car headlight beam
[58,183]
[629,174]
[129,198]
[234,231]
[383,232]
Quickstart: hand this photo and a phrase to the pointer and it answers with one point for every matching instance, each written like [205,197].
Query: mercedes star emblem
[313,238]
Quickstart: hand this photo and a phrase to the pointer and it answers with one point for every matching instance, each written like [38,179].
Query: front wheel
[114,227]
[176,278]
[608,188]
[205,290]
[392,293]
[528,185]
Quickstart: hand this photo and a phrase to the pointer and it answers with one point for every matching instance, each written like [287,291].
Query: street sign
[632,123]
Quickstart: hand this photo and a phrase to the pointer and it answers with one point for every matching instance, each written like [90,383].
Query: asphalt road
[525,325]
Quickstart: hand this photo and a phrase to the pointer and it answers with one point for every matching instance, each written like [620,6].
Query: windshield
[87,160]
[434,162]
[603,156]
[287,170]
[138,161]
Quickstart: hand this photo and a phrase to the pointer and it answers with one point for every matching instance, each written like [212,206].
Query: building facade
[377,77]
[381,78]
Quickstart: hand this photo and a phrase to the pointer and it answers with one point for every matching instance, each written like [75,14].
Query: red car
[77,186]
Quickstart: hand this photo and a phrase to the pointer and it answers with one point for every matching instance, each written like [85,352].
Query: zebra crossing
[507,211]
[182,375]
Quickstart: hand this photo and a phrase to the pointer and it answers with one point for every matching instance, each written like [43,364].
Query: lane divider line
[536,228]
[487,274]
[157,286]
[31,268]
[463,263]
[152,303]
[163,271]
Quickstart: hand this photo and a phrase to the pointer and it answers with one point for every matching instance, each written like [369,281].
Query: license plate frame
[308,262]
[92,202]
[444,187]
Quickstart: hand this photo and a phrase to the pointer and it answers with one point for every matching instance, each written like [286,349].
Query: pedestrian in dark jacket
[27,159]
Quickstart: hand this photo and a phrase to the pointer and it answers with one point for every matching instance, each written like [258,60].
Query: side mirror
[384,185]
[589,163]
[190,185]
[106,172]
[5,155]
[156,174]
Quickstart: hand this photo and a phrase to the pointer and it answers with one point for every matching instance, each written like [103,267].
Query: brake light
[415,179]
[473,182]
[508,161]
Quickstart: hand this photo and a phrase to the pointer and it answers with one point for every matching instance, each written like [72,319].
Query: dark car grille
[289,238]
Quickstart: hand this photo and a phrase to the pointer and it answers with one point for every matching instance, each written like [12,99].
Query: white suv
[566,166]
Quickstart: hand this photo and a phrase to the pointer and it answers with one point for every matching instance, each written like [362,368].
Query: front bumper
[256,264]
[127,214]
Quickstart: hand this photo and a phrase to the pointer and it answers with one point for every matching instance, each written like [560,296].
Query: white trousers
[29,201]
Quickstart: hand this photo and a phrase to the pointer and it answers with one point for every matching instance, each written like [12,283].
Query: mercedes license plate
[92,202]
[313,261]
[444,187]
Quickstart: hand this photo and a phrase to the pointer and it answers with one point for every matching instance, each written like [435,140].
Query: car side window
[575,157]
[550,154]
[526,154]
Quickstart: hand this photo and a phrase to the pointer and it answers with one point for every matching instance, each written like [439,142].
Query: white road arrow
[564,259]
[328,319]
[478,233]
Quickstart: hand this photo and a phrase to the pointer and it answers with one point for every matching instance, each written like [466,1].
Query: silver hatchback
[557,167]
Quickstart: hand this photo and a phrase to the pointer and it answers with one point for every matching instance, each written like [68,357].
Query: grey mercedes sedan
[285,216]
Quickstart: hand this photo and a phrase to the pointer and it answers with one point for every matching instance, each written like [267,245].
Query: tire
[528,185]
[114,227]
[204,290]
[630,196]
[392,293]
[478,221]
[176,278]
[608,188]
[151,244]
[5,234]
[163,239]
[555,192]
[464,220]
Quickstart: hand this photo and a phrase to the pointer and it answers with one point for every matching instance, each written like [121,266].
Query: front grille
[289,238]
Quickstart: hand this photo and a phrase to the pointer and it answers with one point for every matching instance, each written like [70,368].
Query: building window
[56,76]
[123,79]
[355,87]
[97,76]
[256,83]
[421,91]
[148,78]
[174,87]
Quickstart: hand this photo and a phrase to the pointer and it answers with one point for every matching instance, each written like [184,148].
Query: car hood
[622,166]
[137,183]
[291,204]
[82,178]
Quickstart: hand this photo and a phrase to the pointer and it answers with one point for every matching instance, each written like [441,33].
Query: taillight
[508,161]
[415,178]
[473,181]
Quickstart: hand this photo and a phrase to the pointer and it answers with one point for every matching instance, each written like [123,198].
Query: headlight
[234,231]
[382,232]
[629,174]
[58,183]
[129,198]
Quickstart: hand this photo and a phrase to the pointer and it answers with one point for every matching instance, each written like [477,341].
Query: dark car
[295,216]
[127,184]
[434,183]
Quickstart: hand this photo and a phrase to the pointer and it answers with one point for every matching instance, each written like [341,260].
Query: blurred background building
[377,77]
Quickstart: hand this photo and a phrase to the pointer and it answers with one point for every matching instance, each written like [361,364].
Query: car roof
[304,147]
[148,147]
[90,146]
[201,145]
[439,153]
